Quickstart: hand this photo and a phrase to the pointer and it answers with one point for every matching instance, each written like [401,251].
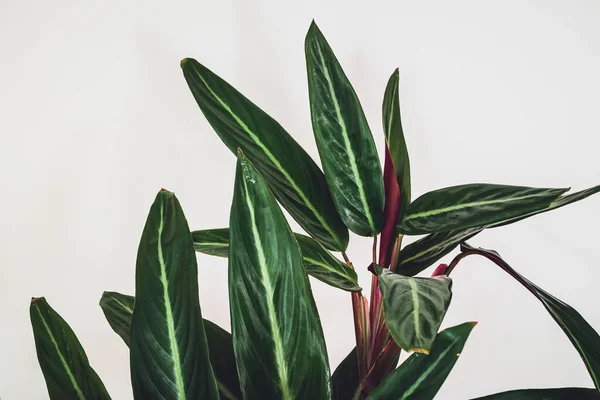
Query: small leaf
[278,340]
[295,179]
[344,140]
[169,355]
[118,309]
[318,261]
[414,307]
[545,394]
[345,380]
[473,205]
[62,359]
[421,376]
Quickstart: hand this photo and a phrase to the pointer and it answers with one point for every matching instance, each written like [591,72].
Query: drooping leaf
[118,309]
[414,307]
[168,352]
[345,380]
[295,179]
[318,261]
[473,205]
[63,361]
[344,140]
[278,339]
[585,339]
[545,394]
[421,376]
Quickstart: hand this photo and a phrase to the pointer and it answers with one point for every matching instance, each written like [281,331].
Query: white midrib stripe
[129,310]
[179,383]
[324,266]
[415,299]
[274,160]
[269,294]
[60,355]
[350,152]
[432,248]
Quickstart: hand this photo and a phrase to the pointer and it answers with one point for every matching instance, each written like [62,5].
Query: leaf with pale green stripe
[169,356]
[63,361]
[319,262]
[295,179]
[473,205]
[545,394]
[413,307]
[421,376]
[278,339]
[118,309]
[344,140]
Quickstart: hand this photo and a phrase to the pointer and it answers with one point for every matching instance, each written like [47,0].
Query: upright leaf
[118,309]
[344,140]
[473,205]
[169,356]
[295,179]
[421,376]
[63,361]
[278,340]
[318,261]
[414,307]
[345,380]
[545,394]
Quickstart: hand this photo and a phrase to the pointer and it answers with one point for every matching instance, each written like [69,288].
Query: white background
[96,117]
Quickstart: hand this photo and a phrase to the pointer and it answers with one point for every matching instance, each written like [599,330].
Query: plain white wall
[96,118]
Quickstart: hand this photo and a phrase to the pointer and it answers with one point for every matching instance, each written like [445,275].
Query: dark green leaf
[344,140]
[295,179]
[345,380]
[414,307]
[169,355]
[545,394]
[421,376]
[278,340]
[62,359]
[118,309]
[473,205]
[318,261]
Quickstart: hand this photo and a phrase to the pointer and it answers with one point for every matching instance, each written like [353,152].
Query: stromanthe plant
[276,349]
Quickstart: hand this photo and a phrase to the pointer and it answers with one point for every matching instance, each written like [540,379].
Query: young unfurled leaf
[318,261]
[295,179]
[344,140]
[118,309]
[62,359]
[421,376]
[169,356]
[545,394]
[473,205]
[414,307]
[278,340]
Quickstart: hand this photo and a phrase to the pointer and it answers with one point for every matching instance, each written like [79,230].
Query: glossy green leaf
[278,339]
[585,339]
[318,261]
[169,356]
[473,205]
[421,376]
[414,307]
[63,361]
[345,380]
[295,179]
[118,309]
[545,394]
[344,140]
[421,254]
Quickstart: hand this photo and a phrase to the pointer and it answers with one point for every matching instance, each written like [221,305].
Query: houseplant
[276,349]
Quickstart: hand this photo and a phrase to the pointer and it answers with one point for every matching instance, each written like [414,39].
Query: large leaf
[63,361]
[421,376]
[419,255]
[278,339]
[344,140]
[345,380]
[585,339]
[295,179]
[473,205]
[545,394]
[118,309]
[169,356]
[318,261]
[414,307]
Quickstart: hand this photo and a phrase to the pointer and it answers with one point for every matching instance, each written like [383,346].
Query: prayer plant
[276,349]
